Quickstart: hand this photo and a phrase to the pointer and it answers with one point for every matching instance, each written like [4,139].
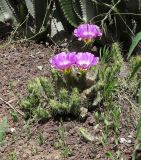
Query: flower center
[84,63]
[64,63]
[87,33]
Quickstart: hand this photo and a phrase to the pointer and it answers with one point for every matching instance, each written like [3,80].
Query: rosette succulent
[87,32]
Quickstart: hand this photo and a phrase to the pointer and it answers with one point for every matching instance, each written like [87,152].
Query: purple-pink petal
[86,60]
[63,60]
[87,32]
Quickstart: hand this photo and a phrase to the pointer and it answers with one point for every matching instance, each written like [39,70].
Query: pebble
[124,141]
[40,67]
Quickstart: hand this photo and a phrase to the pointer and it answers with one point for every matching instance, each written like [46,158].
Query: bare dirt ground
[22,62]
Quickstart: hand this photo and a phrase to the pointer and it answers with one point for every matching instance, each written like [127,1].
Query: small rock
[55,155]
[90,78]
[40,149]
[12,130]
[129,141]
[40,67]
[122,140]
[130,136]
[72,131]
[86,135]
[83,113]
[87,92]
[91,121]
[25,156]
[2,149]
[125,141]
[96,127]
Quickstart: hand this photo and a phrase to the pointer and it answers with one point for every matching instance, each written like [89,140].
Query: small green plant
[135,42]
[135,67]
[110,120]
[107,85]
[27,129]
[112,155]
[104,138]
[12,155]
[34,150]
[61,143]
[3,128]
[14,116]
[41,139]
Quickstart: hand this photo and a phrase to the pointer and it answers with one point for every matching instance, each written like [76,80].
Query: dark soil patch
[22,62]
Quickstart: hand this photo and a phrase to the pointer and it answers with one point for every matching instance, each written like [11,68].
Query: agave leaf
[77,9]
[71,16]
[30,7]
[7,7]
[134,44]
[88,10]
[40,13]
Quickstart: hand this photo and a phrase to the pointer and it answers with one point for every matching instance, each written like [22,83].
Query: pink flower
[63,61]
[87,32]
[85,60]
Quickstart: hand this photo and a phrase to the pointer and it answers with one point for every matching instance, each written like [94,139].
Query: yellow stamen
[67,71]
[87,41]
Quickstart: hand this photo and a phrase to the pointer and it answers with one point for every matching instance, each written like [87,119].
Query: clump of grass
[14,116]
[3,128]
[41,138]
[105,88]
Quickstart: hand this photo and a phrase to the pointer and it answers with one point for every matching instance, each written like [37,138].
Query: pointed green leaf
[135,70]
[68,10]
[88,10]
[134,44]
[3,127]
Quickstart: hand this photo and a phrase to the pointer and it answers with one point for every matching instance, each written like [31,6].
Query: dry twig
[9,105]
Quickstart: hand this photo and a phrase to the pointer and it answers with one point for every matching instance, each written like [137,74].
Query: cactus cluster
[45,99]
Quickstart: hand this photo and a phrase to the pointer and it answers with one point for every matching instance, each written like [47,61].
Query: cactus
[42,101]
[38,11]
[8,12]
[77,12]
[67,7]
[88,10]
[107,14]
